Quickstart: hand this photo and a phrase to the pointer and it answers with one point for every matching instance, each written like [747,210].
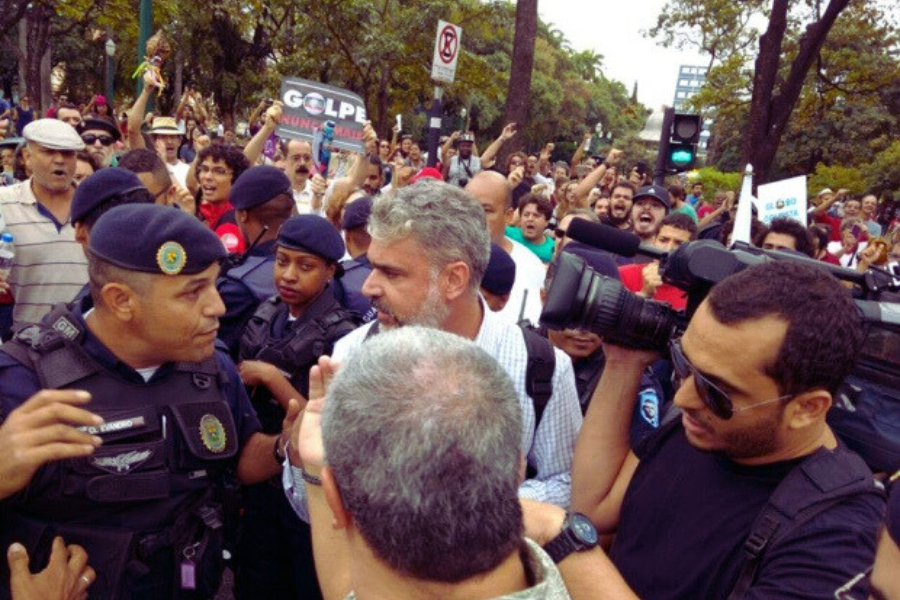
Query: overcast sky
[613,29]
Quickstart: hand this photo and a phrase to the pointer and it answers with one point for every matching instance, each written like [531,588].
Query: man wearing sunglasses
[758,366]
[99,135]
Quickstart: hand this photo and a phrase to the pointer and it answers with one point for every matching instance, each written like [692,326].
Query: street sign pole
[443,71]
[434,126]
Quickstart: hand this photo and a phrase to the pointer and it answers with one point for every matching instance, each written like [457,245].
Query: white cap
[53,134]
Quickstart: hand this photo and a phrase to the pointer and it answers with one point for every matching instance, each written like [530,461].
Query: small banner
[308,105]
[785,198]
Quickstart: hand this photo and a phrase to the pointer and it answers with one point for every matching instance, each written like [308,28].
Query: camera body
[866,409]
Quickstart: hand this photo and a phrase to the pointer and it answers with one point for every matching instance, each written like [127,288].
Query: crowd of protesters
[259,261]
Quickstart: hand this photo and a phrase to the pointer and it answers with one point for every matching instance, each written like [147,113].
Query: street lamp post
[110,71]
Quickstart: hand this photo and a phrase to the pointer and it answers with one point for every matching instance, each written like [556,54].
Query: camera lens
[581,298]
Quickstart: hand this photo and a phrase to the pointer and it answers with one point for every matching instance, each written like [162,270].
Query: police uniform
[147,505]
[104,186]
[348,289]
[275,554]
[249,282]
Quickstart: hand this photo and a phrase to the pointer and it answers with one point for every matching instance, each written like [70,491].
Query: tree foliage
[237,51]
[846,108]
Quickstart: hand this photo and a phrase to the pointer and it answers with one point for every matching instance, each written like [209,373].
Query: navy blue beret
[313,234]
[500,273]
[100,187]
[599,260]
[155,239]
[258,185]
[356,214]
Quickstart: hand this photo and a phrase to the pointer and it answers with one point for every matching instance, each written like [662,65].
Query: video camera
[866,410]
[581,298]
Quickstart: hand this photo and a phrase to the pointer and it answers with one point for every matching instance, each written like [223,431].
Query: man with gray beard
[430,247]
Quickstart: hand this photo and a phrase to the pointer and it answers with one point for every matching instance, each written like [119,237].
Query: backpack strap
[825,478]
[539,372]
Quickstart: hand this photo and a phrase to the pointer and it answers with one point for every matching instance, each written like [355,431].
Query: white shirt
[303,200]
[549,449]
[179,172]
[530,274]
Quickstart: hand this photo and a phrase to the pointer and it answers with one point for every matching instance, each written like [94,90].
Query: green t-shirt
[687,209]
[544,250]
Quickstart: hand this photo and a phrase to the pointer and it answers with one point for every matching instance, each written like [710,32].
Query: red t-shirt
[834,223]
[633,279]
[227,230]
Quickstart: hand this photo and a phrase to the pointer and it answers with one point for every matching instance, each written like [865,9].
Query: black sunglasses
[717,400]
[90,139]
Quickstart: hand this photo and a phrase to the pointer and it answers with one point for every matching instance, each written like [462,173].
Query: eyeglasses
[717,400]
[217,171]
[90,139]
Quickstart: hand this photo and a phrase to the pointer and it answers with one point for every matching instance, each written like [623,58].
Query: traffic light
[681,150]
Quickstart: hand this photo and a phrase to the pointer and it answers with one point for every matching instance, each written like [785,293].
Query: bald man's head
[492,191]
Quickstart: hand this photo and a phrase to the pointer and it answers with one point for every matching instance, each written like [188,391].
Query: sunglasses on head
[711,395]
[90,139]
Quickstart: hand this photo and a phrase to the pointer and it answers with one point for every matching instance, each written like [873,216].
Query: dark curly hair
[230,155]
[824,333]
[790,227]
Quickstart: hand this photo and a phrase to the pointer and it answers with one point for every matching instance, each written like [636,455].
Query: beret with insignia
[150,238]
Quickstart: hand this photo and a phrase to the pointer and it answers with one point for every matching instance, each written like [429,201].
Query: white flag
[741,232]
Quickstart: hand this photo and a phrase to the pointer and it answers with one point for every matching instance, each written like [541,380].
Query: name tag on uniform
[114,426]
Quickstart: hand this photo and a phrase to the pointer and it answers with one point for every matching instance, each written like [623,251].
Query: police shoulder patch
[212,433]
[171,258]
[649,407]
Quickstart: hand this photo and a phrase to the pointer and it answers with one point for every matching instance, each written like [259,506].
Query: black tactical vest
[294,353]
[151,488]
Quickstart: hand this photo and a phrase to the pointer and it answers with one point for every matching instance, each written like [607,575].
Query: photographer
[464,166]
[683,502]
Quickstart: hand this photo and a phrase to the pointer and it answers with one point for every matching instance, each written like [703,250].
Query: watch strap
[562,545]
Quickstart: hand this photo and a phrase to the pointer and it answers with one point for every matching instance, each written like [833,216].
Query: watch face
[584,529]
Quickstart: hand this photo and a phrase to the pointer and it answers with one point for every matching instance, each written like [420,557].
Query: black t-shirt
[687,513]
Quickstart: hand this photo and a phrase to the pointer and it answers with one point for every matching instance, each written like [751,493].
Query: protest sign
[308,105]
[785,198]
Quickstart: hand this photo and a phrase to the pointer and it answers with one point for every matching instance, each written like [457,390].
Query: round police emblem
[171,258]
[212,433]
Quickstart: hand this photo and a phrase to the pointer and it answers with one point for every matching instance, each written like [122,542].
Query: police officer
[97,194]
[286,337]
[348,288]
[263,202]
[144,500]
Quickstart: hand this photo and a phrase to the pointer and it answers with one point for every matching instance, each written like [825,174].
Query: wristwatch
[578,534]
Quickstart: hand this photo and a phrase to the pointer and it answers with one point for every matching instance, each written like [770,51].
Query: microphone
[610,239]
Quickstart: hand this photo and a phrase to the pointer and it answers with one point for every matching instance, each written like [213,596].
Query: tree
[786,52]
[519,90]
[773,101]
